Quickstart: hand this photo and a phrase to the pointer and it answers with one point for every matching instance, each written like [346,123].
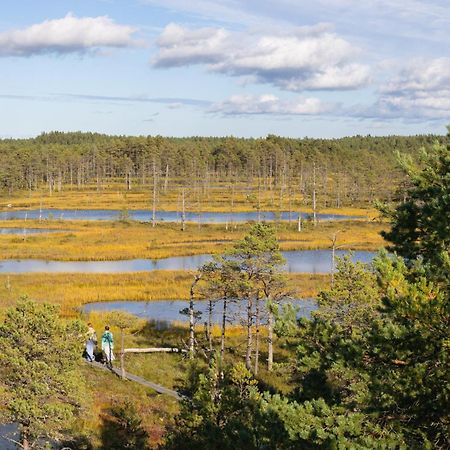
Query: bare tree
[192,316]
[155,189]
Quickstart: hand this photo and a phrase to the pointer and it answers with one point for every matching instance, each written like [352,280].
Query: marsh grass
[73,290]
[218,198]
[106,391]
[105,241]
[169,369]
[88,240]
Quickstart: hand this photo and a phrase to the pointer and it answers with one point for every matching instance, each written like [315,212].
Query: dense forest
[351,171]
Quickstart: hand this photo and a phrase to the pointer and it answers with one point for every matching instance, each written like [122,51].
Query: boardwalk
[142,381]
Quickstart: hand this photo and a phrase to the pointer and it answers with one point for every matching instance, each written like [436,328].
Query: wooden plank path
[142,381]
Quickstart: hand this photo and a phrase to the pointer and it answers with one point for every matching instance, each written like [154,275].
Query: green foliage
[372,364]
[122,429]
[124,320]
[39,358]
[221,412]
[376,378]
[353,299]
[394,369]
[124,216]
[316,425]
[231,413]
[62,159]
[420,225]
[410,347]
[285,319]
[257,261]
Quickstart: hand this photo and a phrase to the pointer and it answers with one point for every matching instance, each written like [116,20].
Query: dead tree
[192,316]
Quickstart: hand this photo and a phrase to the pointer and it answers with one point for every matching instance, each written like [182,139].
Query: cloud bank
[421,90]
[270,104]
[70,34]
[310,58]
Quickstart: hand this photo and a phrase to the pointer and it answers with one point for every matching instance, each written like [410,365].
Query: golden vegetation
[88,240]
[95,241]
[218,197]
[73,290]
[106,391]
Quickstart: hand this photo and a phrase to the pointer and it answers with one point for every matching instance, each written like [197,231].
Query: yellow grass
[218,197]
[106,390]
[73,290]
[78,240]
[84,240]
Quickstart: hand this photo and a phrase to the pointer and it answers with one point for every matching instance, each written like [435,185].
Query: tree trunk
[166,179]
[258,207]
[222,338]
[314,196]
[199,205]
[191,317]
[270,340]
[129,181]
[122,356]
[154,195]
[248,354]
[183,210]
[210,310]
[257,325]
[232,205]
[333,254]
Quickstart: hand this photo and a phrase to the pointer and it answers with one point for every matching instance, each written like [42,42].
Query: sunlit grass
[88,240]
[71,291]
[106,390]
[97,241]
[217,197]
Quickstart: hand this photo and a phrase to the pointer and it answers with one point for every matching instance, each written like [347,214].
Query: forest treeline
[350,171]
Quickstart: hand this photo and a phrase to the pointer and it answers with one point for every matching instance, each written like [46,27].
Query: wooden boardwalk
[142,381]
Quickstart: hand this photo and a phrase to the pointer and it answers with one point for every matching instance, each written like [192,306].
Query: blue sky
[323,68]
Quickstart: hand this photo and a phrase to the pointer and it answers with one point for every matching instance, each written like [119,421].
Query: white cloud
[308,58]
[421,90]
[421,75]
[67,35]
[270,104]
[425,20]
[180,46]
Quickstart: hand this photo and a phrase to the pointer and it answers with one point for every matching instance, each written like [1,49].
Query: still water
[161,216]
[24,231]
[297,261]
[169,310]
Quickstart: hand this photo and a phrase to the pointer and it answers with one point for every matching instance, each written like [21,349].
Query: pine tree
[421,225]
[39,366]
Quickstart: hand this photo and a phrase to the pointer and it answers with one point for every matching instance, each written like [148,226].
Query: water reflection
[25,231]
[163,216]
[163,312]
[297,261]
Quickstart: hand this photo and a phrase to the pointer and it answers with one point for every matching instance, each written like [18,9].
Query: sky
[296,68]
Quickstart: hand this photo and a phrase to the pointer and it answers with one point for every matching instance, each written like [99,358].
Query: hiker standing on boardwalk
[91,343]
[108,346]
